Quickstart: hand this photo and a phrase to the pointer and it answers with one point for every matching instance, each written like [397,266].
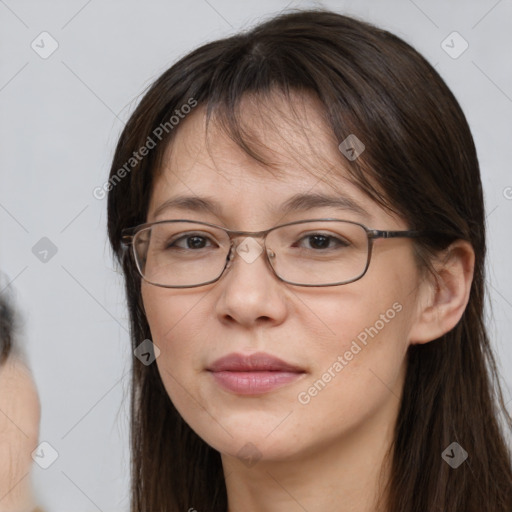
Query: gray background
[60,119]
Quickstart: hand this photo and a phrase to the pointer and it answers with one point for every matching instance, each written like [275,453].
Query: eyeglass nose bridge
[248,238]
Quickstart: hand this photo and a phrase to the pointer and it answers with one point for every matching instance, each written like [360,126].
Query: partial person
[20,414]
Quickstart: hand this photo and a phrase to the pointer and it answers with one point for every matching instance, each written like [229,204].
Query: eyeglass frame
[128,235]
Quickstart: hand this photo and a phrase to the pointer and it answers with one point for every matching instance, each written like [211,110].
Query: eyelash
[340,242]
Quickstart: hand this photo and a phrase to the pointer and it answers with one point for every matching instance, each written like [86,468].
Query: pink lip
[253,374]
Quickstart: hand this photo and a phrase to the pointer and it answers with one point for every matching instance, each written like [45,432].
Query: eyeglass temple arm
[377,233]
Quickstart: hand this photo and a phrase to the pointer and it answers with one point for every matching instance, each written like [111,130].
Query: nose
[250,292]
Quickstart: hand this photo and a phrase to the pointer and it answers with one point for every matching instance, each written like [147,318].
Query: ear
[444,296]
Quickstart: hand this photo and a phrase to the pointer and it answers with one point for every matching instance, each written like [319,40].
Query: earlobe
[446,295]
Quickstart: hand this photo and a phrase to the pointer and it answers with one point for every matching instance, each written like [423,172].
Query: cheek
[357,349]
[176,322]
[363,341]
[168,312]
[363,315]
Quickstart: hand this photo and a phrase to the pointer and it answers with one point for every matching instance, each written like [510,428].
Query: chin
[253,443]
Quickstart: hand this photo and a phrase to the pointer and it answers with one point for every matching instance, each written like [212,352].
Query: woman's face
[347,342]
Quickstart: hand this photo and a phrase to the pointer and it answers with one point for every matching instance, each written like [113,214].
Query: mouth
[253,374]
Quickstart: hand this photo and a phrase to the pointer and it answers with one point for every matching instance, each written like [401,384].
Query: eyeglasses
[320,252]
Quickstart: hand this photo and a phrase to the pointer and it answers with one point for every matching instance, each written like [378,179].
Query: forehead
[299,150]
[290,135]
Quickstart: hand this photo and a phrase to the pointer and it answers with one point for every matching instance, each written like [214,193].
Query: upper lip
[259,361]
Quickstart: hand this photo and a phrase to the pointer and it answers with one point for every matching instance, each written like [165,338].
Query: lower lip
[254,383]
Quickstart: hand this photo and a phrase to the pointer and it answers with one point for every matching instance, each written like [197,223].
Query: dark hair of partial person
[6,328]
[420,162]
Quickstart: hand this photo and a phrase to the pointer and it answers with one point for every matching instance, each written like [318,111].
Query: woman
[299,216]
[20,414]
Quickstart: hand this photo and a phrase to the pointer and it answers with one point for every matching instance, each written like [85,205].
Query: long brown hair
[420,161]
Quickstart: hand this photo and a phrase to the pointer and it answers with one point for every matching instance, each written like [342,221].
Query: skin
[326,454]
[20,414]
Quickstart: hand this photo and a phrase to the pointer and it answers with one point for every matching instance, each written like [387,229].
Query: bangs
[256,121]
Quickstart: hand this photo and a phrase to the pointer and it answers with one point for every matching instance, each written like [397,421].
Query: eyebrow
[296,203]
